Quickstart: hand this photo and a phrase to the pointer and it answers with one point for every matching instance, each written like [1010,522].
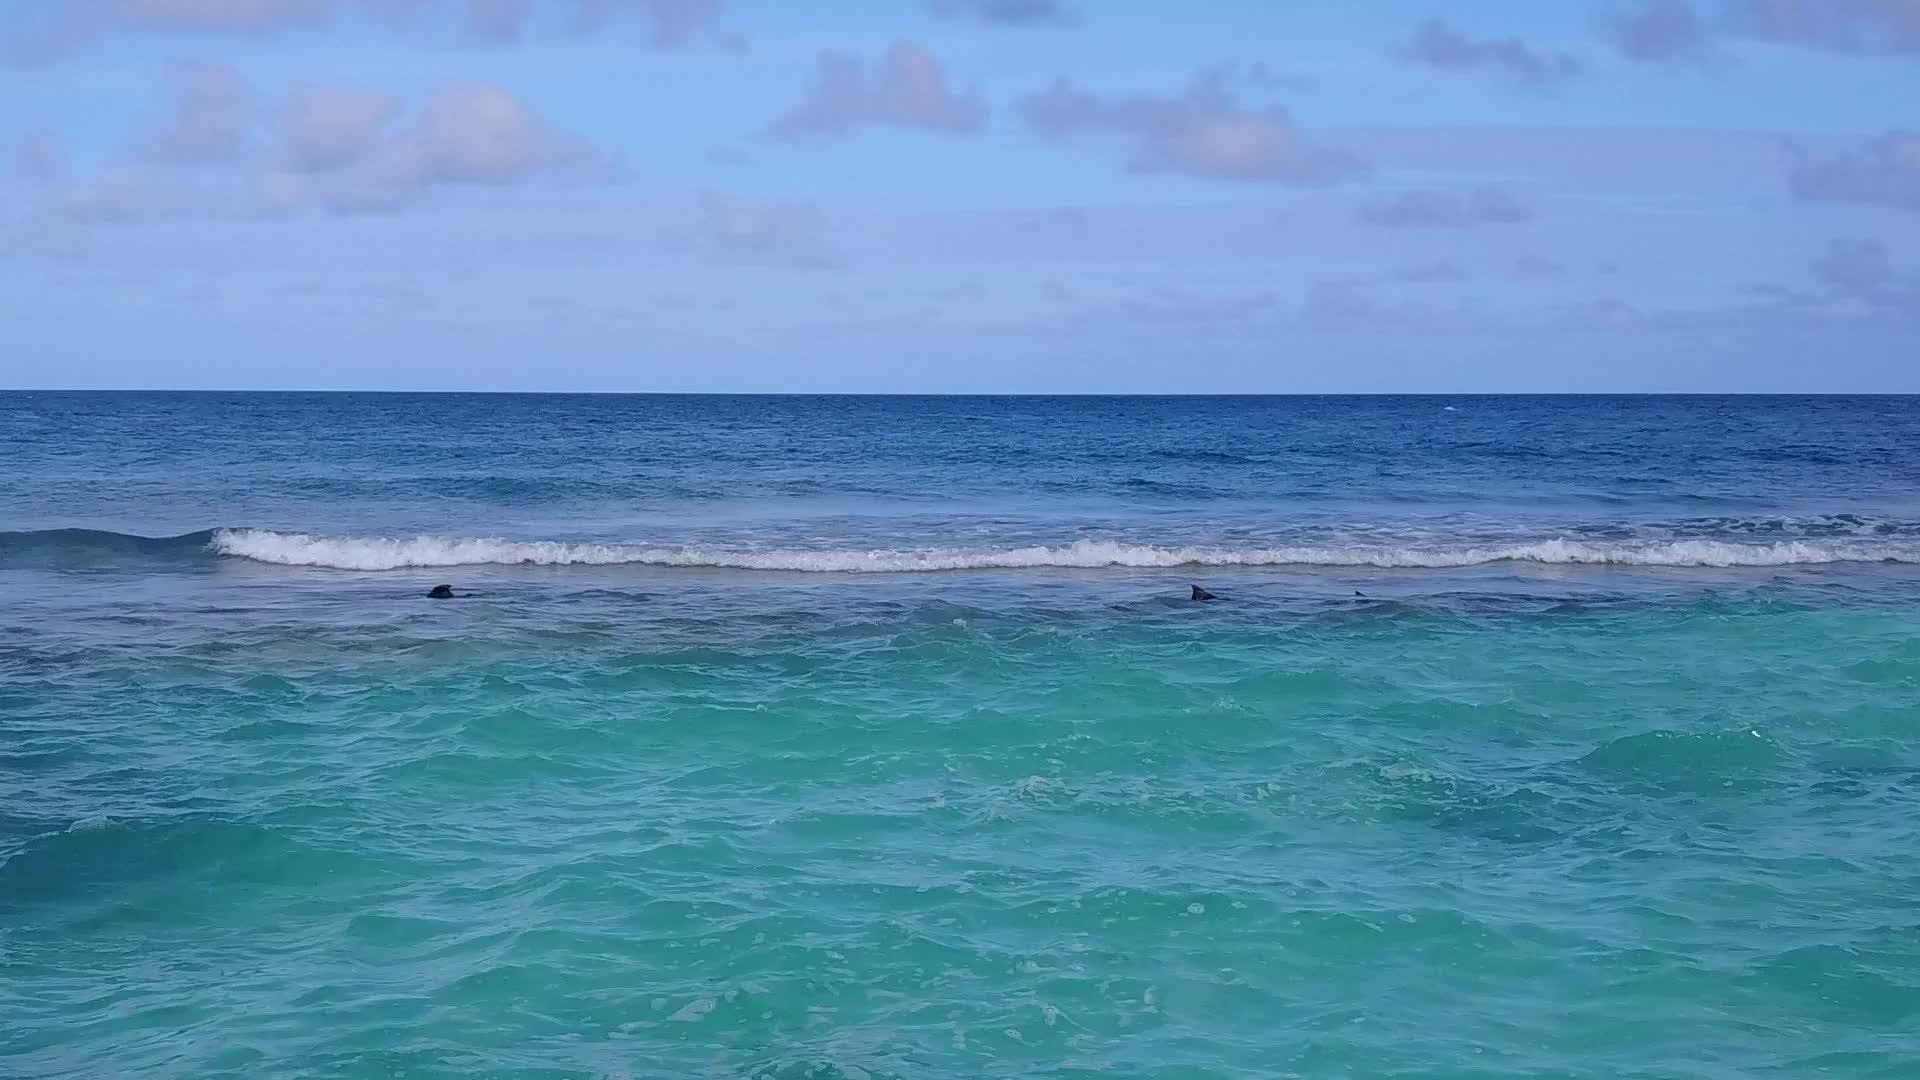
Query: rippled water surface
[878,738]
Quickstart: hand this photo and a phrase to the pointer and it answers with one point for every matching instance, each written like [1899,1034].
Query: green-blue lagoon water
[862,738]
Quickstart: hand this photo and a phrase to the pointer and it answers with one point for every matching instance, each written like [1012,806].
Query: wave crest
[395,553]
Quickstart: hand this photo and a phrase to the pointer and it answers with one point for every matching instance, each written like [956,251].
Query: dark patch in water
[105,854]
[78,549]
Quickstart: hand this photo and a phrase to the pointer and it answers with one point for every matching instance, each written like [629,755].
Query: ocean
[856,738]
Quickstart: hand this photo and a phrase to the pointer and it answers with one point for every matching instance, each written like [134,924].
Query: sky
[961,196]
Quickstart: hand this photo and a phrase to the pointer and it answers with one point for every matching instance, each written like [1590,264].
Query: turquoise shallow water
[1506,819]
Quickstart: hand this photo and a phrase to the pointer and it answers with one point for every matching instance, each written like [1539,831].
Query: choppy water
[1572,737]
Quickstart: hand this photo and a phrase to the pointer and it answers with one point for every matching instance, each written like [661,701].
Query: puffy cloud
[342,148]
[1444,209]
[730,229]
[1007,12]
[34,42]
[1204,132]
[1854,266]
[906,88]
[1341,305]
[329,127]
[1838,25]
[63,27]
[1436,44]
[731,156]
[479,133]
[1260,75]
[1665,32]
[240,16]
[1676,31]
[496,20]
[471,133]
[1862,270]
[1431,273]
[212,109]
[675,23]
[1771,295]
[125,195]
[1884,172]
[1186,307]
[1604,311]
[36,157]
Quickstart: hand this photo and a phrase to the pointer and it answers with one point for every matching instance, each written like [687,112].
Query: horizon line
[965,393]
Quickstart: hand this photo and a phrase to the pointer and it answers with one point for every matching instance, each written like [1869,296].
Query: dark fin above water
[440,592]
[1202,594]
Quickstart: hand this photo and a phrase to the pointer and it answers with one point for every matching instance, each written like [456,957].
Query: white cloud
[906,88]
[1437,44]
[1884,172]
[1007,12]
[1837,25]
[1439,272]
[1666,32]
[498,21]
[1863,271]
[212,110]
[731,229]
[127,194]
[1203,132]
[328,127]
[240,16]
[36,157]
[674,23]
[344,149]
[1445,209]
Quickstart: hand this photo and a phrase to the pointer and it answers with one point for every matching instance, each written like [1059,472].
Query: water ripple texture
[1016,806]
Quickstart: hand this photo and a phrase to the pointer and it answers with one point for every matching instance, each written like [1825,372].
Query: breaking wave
[78,548]
[394,553]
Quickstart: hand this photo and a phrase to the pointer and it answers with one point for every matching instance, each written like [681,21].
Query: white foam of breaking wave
[394,553]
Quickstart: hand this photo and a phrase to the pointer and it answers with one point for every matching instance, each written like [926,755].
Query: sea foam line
[394,553]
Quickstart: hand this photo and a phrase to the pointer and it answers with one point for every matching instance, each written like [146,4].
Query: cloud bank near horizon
[961,194]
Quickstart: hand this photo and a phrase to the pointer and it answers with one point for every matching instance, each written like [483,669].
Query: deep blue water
[846,471]
[856,737]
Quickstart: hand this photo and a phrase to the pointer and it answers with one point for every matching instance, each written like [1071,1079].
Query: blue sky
[961,195]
